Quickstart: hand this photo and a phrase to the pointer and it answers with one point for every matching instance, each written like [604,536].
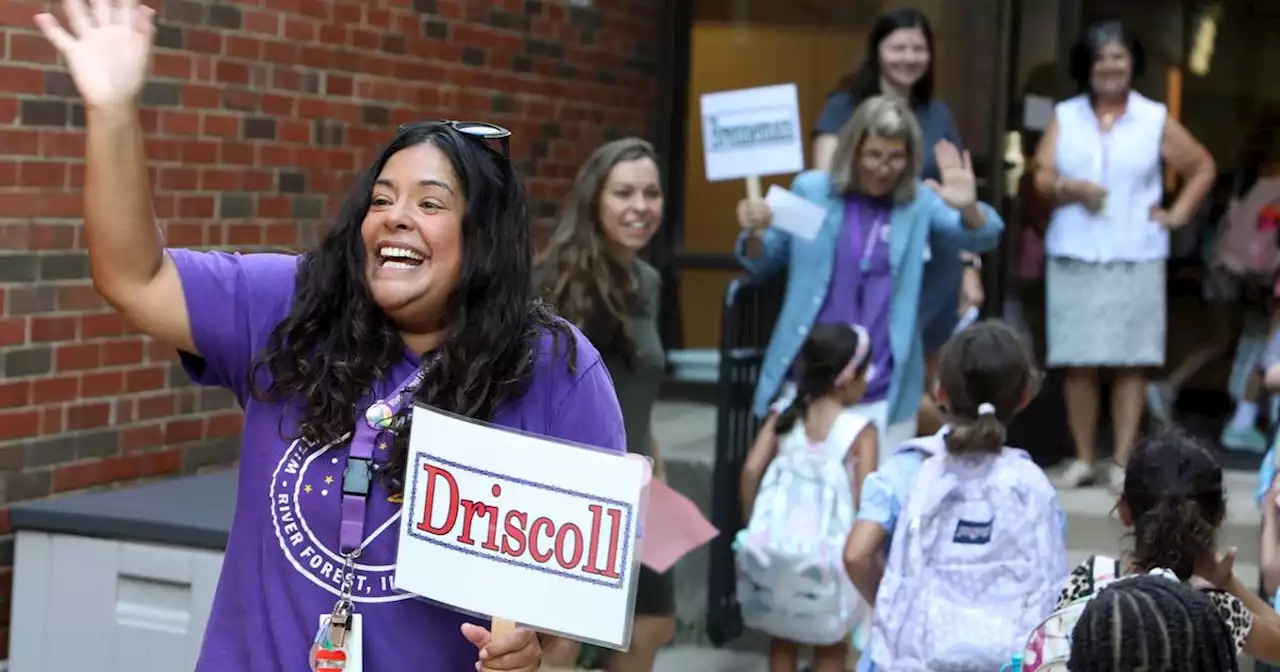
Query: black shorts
[655,593]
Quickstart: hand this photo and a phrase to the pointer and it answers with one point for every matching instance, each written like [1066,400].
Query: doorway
[737,44]
[1208,62]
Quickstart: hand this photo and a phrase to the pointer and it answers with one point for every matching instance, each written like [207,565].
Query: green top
[638,389]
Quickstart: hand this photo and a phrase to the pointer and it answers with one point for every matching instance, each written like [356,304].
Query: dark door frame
[675,44]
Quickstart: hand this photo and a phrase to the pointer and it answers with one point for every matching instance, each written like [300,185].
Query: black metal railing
[750,310]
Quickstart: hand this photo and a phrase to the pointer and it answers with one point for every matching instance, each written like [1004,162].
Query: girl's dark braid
[1151,623]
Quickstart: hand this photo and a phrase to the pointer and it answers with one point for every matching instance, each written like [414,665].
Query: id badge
[348,658]
[928,253]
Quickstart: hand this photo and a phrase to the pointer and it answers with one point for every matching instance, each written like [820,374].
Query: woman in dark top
[899,62]
[592,274]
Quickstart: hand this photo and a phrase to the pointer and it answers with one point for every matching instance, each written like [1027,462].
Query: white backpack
[974,565]
[792,583]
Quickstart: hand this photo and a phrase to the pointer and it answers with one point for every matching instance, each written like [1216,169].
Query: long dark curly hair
[1173,488]
[336,341]
[575,272]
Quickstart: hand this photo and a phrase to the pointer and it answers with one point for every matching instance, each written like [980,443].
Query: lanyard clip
[339,625]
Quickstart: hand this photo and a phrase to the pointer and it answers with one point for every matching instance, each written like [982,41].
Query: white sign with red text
[512,525]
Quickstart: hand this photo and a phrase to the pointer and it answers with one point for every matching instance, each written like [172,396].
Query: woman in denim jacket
[867,262]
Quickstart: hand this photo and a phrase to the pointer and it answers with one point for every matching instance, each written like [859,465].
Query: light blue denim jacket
[919,229]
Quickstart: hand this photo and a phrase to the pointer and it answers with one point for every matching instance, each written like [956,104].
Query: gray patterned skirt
[1109,314]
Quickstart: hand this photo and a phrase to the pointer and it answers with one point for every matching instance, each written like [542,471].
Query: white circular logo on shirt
[307,485]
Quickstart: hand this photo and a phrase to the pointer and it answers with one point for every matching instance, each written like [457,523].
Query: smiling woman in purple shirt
[421,289]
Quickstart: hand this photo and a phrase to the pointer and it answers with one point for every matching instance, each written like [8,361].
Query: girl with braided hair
[1173,500]
[1151,623]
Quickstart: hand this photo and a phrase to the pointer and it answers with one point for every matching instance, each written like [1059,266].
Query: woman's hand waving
[108,48]
[959,188]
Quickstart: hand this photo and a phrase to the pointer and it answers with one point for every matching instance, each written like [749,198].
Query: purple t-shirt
[861,289]
[281,570]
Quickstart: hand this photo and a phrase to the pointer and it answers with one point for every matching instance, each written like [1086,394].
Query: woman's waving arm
[108,56]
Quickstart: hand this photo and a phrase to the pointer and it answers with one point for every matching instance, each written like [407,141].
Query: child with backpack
[1173,500]
[798,492]
[1153,623]
[975,535]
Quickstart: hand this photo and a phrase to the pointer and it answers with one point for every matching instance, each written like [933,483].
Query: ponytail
[1172,535]
[984,434]
[793,413]
[833,355]
[986,374]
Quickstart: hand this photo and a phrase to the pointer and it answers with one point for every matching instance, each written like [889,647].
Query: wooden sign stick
[753,187]
[501,626]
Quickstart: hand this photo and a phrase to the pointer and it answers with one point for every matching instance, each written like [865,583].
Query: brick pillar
[257,115]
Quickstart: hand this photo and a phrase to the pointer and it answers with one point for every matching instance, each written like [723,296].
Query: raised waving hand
[107,47]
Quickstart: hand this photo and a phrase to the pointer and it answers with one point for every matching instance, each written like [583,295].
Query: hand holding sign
[505,646]
[754,215]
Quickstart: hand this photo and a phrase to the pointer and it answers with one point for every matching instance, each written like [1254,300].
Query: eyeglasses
[878,161]
[488,133]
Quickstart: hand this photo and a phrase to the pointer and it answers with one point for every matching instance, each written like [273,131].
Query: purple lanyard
[873,239]
[357,478]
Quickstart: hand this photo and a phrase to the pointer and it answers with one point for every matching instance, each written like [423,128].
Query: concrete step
[1093,526]
[701,659]
[702,365]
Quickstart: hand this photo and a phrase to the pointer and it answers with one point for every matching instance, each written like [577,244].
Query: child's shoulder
[900,469]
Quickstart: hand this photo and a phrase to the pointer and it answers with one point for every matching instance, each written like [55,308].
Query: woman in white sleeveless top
[1100,160]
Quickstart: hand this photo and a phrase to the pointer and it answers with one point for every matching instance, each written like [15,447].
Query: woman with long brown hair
[592,273]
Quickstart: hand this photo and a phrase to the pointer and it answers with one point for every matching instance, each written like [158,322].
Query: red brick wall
[258,114]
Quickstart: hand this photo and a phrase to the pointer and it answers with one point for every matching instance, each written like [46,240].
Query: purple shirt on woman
[861,288]
[281,570]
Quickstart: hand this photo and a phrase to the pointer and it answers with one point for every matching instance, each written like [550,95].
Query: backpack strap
[929,445]
[844,431]
[1102,570]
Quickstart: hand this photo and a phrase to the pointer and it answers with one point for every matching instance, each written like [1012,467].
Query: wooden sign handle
[501,626]
[753,187]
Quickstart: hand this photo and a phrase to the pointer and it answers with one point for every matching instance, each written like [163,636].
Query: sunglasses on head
[487,133]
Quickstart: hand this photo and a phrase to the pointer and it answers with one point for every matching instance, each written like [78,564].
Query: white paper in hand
[795,215]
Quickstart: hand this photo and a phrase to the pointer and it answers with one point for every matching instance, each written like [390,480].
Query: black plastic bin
[750,310]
